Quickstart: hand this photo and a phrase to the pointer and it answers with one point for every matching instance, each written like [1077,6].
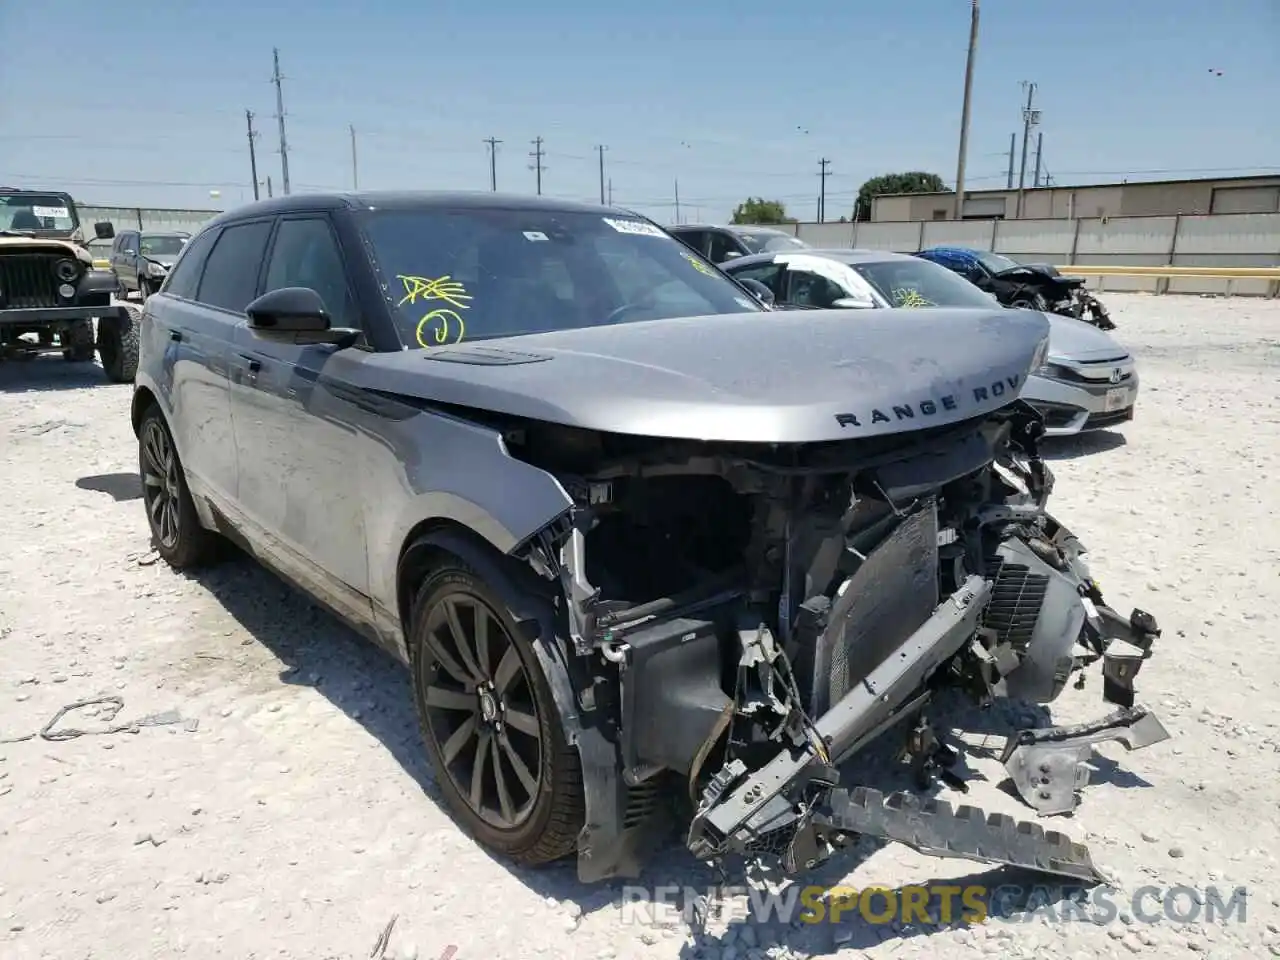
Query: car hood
[1072,339]
[47,244]
[1045,274]
[765,377]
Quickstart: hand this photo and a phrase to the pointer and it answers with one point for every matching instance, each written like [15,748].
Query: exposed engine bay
[742,618]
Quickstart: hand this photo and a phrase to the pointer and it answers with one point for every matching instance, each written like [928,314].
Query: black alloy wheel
[481,710]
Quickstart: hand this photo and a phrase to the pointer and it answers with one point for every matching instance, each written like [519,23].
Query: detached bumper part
[1048,766]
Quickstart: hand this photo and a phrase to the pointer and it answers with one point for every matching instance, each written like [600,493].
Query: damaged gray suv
[650,556]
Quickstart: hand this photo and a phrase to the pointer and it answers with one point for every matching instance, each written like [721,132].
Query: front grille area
[1099,375]
[27,280]
[1016,598]
[886,600]
[1101,420]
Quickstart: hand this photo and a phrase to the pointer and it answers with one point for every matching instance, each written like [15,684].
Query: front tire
[171,513]
[490,723]
[79,342]
[118,339]
[1030,301]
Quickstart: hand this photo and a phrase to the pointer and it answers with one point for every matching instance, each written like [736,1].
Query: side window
[770,274]
[811,290]
[306,254]
[721,245]
[231,272]
[696,239]
[184,278]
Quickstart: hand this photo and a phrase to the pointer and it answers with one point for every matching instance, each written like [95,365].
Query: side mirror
[296,315]
[759,291]
[852,303]
[104,230]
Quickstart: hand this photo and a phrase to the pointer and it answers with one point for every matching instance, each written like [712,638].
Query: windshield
[920,283]
[166,245]
[476,274]
[996,262]
[765,241]
[37,212]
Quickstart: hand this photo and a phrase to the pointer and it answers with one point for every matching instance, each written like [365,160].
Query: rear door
[193,332]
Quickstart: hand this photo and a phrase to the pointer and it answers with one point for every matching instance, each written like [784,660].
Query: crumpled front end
[978,587]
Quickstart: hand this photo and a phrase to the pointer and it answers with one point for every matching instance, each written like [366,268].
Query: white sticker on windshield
[534,235]
[637,227]
[51,213]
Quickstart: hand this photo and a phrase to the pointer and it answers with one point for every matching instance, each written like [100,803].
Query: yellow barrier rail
[1219,273]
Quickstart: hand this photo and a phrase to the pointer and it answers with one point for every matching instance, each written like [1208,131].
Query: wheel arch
[143,399]
[437,541]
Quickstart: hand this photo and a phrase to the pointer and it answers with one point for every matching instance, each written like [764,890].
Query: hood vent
[484,356]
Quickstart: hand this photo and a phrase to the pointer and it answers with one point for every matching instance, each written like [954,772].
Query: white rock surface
[293,822]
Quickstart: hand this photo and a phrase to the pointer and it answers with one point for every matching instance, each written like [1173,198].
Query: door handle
[253,363]
[175,335]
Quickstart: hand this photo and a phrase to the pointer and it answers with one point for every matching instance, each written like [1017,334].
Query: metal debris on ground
[113,705]
[144,558]
[380,946]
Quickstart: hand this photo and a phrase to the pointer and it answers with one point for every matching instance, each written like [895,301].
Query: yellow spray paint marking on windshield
[443,325]
[904,297]
[698,264]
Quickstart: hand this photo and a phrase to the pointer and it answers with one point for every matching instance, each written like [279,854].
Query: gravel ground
[284,815]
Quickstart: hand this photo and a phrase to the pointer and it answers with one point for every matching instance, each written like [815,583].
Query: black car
[721,243]
[1032,286]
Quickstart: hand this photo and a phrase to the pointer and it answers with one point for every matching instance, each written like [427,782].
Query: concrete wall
[1256,195]
[139,218]
[1219,240]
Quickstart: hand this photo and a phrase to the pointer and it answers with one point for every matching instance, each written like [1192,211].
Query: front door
[298,452]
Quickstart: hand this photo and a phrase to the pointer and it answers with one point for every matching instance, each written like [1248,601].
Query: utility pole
[611,191]
[269,193]
[964,111]
[677,200]
[822,188]
[1035,182]
[1013,148]
[1030,118]
[253,156]
[600,149]
[537,155]
[284,145]
[493,163]
[355,169]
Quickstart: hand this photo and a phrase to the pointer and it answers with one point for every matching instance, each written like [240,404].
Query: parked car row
[141,259]
[1088,381]
[636,536]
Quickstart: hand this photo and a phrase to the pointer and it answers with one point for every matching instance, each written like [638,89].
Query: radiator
[892,593]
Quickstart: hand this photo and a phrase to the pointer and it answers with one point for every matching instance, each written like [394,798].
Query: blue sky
[145,104]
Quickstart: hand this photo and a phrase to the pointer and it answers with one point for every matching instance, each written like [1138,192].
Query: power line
[253,158]
[284,145]
[493,162]
[537,154]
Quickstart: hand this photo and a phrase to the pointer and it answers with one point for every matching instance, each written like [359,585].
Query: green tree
[913,181]
[759,210]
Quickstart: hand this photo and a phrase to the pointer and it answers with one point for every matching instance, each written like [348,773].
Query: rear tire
[118,343]
[175,526]
[1030,301]
[489,703]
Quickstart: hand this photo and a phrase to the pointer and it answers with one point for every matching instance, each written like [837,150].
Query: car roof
[413,200]
[837,254]
[954,251]
[164,233]
[731,227]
